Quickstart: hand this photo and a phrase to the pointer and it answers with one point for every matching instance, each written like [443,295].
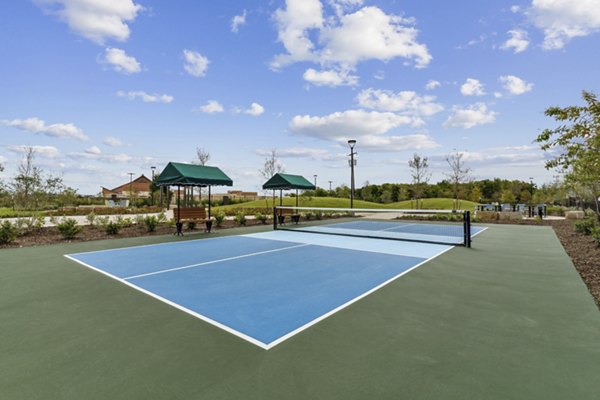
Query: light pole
[330,185]
[315,175]
[130,189]
[352,143]
[152,185]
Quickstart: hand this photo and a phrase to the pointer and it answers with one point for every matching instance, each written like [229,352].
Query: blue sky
[103,88]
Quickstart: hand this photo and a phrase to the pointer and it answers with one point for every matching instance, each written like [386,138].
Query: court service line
[350,302]
[397,227]
[173,304]
[214,261]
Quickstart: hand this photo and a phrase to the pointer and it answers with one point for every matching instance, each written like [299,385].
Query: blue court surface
[264,287]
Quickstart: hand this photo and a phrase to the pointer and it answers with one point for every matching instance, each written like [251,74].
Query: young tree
[27,182]
[271,167]
[459,174]
[577,141]
[420,175]
[202,156]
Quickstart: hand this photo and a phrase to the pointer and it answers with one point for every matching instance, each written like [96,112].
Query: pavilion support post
[178,224]
[209,220]
[296,198]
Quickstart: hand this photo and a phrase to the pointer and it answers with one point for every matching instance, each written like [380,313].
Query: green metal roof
[287,181]
[191,174]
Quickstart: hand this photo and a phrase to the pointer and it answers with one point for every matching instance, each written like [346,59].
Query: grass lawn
[334,202]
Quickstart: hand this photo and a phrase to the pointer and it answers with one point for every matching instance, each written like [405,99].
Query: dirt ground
[584,253]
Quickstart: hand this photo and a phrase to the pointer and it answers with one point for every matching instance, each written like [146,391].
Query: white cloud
[343,6]
[379,75]
[106,158]
[237,21]
[113,142]
[563,20]
[344,125]
[330,78]
[518,41]
[211,107]
[36,125]
[515,9]
[93,150]
[121,62]
[44,151]
[514,85]
[470,116]
[97,21]
[255,110]
[472,87]
[299,152]
[405,102]
[346,39]
[432,84]
[146,97]
[369,128]
[195,63]
[371,34]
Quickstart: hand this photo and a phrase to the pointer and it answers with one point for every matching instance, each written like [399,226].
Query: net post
[274,218]
[467,228]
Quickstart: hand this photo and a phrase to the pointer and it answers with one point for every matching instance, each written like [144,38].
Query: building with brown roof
[137,188]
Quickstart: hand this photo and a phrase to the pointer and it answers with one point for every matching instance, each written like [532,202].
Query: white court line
[213,262]
[175,242]
[179,307]
[397,227]
[248,338]
[350,302]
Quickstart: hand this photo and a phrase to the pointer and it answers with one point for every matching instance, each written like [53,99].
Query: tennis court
[266,287]
[508,318]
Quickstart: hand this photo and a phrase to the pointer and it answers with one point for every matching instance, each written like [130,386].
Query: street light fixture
[315,175]
[330,185]
[130,189]
[352,143]
[152,185]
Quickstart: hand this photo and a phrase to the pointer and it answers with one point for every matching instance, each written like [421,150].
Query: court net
[433,226]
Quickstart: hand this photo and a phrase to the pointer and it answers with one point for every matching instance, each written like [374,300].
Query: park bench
[285,212]
[186,214]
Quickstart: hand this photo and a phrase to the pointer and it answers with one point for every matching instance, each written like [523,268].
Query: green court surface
[509,318]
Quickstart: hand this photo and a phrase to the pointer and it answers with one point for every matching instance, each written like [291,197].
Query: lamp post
[152,185]
[352,143]
[315,175]
[330,185]
[130,189]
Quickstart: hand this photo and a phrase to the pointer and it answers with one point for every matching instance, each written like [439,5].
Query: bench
[286,212]
[184,214]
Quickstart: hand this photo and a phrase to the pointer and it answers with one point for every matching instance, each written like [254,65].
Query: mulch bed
[51,235]
[584,253]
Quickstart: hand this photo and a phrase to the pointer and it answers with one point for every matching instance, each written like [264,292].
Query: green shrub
[91,219]
[151,222]
[112,227]
[68,228]
[240,218]
[162,217]
[219,218]
[124,222]
[596,235]
[261,217]
[308,216]
[8,232]
[319,214]
[103,221]
[586,226]
[191,225]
